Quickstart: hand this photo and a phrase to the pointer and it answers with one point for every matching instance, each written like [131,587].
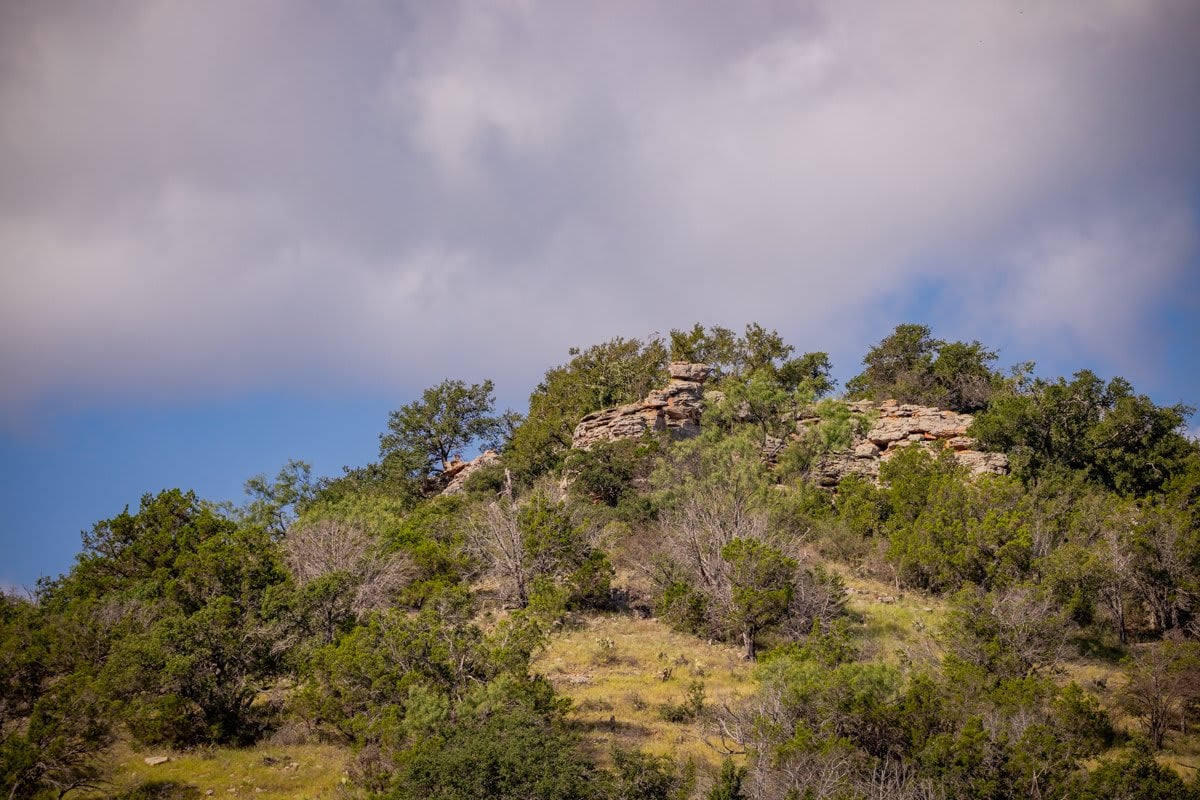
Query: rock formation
[675,408]
[899,426]
[678,408]
[457,471]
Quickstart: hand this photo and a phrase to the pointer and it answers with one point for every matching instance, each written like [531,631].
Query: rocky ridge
[678,408]
[675,408]
[903,425]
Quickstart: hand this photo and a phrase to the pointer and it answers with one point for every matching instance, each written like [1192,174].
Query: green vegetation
[651,618]
[912,367]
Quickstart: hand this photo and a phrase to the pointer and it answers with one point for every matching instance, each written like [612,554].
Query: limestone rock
[836,467]
[981,463]
[904,425]
[693,373]
[458,471]
[675,408]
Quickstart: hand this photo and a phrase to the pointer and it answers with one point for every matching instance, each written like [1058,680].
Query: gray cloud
[224,196]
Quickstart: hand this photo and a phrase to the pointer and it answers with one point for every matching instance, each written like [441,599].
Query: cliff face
[675,408]
[900,426]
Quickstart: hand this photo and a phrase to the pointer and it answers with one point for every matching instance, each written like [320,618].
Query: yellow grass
[619,672]
[265,772]
[895,626]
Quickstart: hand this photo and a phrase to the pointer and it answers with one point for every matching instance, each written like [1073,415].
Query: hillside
[687,570]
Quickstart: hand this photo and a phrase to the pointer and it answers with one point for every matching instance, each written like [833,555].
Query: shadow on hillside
[160,790]
[1100,649]
[610,725]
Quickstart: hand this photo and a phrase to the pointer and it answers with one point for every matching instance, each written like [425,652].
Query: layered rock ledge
[675,408]
[902,425]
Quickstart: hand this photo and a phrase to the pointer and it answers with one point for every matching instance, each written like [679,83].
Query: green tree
[274,505]
[509,741]
[760,589]
[424,435]
[1136,775]
[728,785]
[58,745]
[759,400]
[535,547]
[913,367]
[811,374]
[899,367]
[756,350]
[603,375]
[1118,439]
[174,595]
[1164,681]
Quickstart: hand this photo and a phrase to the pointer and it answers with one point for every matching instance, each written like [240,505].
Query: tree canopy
[424,435]
[911,366]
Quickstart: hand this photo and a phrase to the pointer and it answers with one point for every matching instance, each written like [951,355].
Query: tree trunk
[748,643]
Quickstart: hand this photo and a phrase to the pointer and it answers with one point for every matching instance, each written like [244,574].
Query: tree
[760,400]
[811,373]
[535,546]
[1136,775]
[898,367]
[275,505]
[757,349]
[1011,632]
[175,596]
[58,746]
[913,367]
[1118,439]
[341,572]
[424,435]
[1164,679]
[760,589]
[603,375]
[721,570]
[508,740]
[728,785]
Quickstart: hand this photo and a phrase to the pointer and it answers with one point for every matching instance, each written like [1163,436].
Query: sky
[242,231]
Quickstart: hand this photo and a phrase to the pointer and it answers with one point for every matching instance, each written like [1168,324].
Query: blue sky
[236,233]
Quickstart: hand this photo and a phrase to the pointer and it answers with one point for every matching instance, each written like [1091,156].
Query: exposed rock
[684,371]
[835,467]
[675,408]
[458,471]
[979,462]
[154,761]
[899,426]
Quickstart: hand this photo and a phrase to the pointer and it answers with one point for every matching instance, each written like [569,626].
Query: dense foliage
[374,611]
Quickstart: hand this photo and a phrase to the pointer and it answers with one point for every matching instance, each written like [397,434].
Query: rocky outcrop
[457,472]
[899,426]
[675,408]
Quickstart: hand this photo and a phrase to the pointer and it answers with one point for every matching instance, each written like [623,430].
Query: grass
[265,772]
[627,675]
[894,627]
[632,682]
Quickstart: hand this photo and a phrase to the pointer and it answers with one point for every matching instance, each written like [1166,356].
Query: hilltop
[690,568]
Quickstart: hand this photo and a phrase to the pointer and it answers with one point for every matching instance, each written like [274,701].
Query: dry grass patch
[895,626]
[265,772]
[629,677]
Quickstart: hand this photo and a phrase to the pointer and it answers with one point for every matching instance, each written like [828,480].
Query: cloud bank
[227,196]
